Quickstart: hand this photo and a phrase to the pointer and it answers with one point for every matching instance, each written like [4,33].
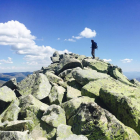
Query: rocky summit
[74,98]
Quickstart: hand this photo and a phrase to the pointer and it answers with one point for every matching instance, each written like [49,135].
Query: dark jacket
[94,45]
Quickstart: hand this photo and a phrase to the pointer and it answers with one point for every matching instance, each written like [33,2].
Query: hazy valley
[4,77]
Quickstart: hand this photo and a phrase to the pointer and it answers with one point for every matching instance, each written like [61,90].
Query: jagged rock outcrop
[55,57]
[74,98]
[12,83]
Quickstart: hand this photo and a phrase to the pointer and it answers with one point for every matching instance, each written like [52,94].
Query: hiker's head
[92,40]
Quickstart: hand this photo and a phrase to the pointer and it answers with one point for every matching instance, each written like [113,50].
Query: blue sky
[31,30]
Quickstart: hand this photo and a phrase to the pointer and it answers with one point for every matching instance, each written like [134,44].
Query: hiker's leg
[93,53]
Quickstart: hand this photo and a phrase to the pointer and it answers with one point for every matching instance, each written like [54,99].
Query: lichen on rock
[54,116]
[123,102]
[100,66]
[97,123]
[74,98]
[85,76]
[35,84]
[56,95]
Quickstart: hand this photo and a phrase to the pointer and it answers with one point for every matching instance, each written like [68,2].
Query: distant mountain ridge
[132,75]
[138,79]
[4,77]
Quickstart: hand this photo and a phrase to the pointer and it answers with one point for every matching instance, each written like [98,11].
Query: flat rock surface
[100,66]
[85,76]
[72,93]
[63,131]
[92,89]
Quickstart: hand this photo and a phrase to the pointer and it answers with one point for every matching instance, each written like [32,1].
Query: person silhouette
[93,47]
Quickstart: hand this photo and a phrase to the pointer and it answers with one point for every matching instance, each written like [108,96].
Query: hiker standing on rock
[93,47]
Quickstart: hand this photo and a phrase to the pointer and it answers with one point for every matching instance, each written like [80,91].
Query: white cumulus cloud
[22,42]
[126,60]
[58,38]
[107,60]
[9,61]
[15,34]
[88,33]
